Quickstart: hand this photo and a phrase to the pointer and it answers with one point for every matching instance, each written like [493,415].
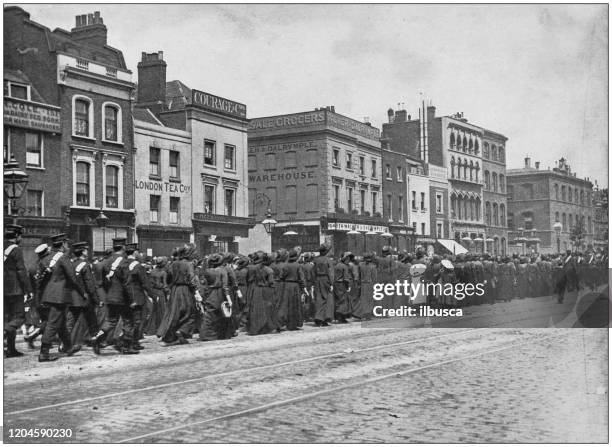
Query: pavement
[345,383]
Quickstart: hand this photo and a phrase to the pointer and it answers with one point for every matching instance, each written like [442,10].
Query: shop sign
[347,226]
[171,187]
[306,119]
[31,115]
[218,104]
[282,176]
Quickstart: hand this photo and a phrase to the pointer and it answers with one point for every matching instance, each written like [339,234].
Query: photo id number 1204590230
[39,433]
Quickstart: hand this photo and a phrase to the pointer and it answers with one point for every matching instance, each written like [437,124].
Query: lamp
[102,220]
[290,232]
[15,181]
[269,223]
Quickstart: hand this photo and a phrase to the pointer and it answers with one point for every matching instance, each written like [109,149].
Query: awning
[452,246]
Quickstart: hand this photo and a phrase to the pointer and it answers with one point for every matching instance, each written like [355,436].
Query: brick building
[86,167]
[537,198]
[213,170]
[321,174]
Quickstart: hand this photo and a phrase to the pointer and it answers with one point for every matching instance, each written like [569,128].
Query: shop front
[215,233]
[156,240]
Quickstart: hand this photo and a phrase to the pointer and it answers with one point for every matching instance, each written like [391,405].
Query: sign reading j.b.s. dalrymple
[218,104]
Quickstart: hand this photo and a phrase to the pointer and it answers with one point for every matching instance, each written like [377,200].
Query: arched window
[112,122]
[488,213]
[570,221]
[569,194]
[452,164]
[112,186]
[452,140]
[557,216]
[564,221]
[495,215]
[556,192]
[82,116]
[501,153]
[576,195]
[485,152]
[471,171]
[82,183]
[478,203]
[465,143]
[472,206]
[476,147]
[453,206]
[493,152]
[563,194]
[502,215]
[502,183]
[494,181]
[487,179]
[471,145]
[465,208]
[477,170]
[459,207]
[581,197]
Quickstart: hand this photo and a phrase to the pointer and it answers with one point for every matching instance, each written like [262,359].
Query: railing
[82,64]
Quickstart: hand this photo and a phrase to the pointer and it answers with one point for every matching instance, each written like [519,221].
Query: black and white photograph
[306,223]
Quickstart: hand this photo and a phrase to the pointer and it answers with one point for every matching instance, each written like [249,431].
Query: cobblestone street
[345,383]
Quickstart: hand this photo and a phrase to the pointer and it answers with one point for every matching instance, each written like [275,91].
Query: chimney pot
[527,162]
[537,165]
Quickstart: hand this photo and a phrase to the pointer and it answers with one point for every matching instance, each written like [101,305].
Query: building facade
[600,219]
[87,81]
[216,163]
[162,184]
[494,191]
[320,175]
[538,198]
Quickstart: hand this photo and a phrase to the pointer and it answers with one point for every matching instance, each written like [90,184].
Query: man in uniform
[17,288]
[115,272]
[86,303]
[58,296]
[323,287]
[138,289]
[342,286]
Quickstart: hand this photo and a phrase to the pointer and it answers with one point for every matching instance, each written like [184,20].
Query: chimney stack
[527,162]
[537,165]
[400,116]
[90,29]
[152,80]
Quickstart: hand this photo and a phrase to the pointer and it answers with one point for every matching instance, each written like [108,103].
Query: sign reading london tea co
[31,115]
[218,104]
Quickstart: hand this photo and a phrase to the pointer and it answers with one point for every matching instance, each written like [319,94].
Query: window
[362,195]
[528,220]
[501,183]
[414,200]
[34,149]
[400,209]
[336,155]
[576,195]
[502,214]
[336,197]
[502,155]
[209,199]
[494,181]
[439,203]
[374,197]
[111,115]
[228,158]
[570,220]
[487,180]
[349,199]
[175,172]
[452,165]
[175,204]
[422,228]
[388,172]
[569,194]
[563,194]
[154,202]
[510,191]
[485,151]
[488,213]
[154,155]
[112,186]
[34,202]
[374,174]
[19,91]
[270,161]
[290,159]
[399,173]
[209,152]
[82,184]
[495,214]
[556,191]
[349,161]
[82,115]
[557,216]
[362,165]
[439,233]
[564,221]
[452,140]
[414,225]
[389,207]
[423,201]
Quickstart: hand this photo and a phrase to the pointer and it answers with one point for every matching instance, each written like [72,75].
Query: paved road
[346,383]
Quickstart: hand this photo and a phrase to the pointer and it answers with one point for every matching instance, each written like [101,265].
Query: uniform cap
[80,245]
[59,238]
[18,229]
[10,235]
[119,242]
[42,248]
[131,247]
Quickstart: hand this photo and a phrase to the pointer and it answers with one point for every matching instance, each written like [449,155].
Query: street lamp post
[102,220]
[269,223]
[557,226]
[15,181]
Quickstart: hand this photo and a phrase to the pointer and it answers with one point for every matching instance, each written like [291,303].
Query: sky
[537,74]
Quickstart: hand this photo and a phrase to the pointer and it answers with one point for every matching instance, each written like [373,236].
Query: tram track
[331,390]
[235,372]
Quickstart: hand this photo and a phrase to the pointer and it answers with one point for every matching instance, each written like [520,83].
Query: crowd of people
[112,301]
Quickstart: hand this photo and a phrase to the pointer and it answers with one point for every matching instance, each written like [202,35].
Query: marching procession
[114,300]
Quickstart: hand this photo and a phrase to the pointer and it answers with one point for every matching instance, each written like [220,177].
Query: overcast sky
[537,74]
